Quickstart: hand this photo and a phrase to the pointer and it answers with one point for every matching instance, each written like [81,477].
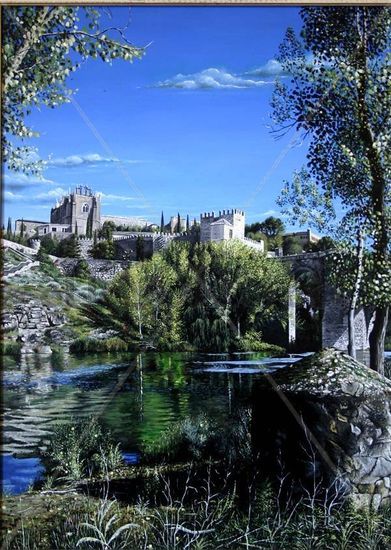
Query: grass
[10,347]
[204,516]
[88,344]
[79,450]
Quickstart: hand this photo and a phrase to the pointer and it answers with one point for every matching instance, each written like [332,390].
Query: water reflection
[137,396]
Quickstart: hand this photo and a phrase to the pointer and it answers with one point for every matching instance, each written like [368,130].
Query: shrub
[190,439]
[82,270]
[10,347]
[85,344]
[81,449]
[252,341]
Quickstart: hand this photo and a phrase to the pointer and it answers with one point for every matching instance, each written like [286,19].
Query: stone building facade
[80,210]
[228,224]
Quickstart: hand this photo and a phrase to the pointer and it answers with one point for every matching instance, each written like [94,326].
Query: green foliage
[199,438]
[49,245]
[202,296]
[140,249]
[86,344]
[81,449]
[291,245]
[103,250]
[47,266]
[339,95]
[190,439]
[210,519]
[82,270]
[68,248]
[10,347]
[252,341]
[55,37]
[325,243]
[107,230]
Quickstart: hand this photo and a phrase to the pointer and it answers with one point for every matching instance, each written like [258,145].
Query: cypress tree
[179,228]
[187,223]
[22,229]
[95,237]
[162,223]
[9,227]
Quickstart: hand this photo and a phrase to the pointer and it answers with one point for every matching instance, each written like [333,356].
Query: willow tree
[339,97]
[41,47]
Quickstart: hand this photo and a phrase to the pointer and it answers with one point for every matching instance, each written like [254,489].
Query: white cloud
[9,196]
[80,160]
[211,79]
[271,68]
[41,198]
[89,159]
[18,181]
[110,197]
[53,194]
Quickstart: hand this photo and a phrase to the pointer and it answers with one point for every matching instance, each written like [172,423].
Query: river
[136,396]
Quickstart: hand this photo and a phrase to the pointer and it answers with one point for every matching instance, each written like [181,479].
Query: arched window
[85,207]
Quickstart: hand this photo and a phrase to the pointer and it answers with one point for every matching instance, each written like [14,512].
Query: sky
[186,129]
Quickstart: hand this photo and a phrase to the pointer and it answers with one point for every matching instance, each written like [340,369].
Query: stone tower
[80,209]
[228,224]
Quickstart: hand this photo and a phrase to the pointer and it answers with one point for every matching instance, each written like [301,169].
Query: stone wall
[329,422]
[34,324]
[335,322]
[104,270]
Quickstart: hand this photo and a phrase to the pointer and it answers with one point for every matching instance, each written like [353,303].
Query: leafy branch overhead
[41,47]
[339,98]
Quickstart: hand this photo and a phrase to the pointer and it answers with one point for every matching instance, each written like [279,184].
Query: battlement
[213,215]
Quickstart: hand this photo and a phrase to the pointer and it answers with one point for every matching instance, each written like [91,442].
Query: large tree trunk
[356,292]
[378,204]
[377,338]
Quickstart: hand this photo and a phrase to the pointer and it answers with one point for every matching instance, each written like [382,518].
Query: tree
[291,245]
[107,230]
[179,225]
[187,223]
[162,223]
[103,250]
[22,229]
[273,228]
[41,47]
[9,228]
[340,98]
[89,225]
[82,270]
[140,249]
[49,245]
[69,248]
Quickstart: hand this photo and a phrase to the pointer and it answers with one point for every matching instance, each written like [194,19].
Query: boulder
[328,417]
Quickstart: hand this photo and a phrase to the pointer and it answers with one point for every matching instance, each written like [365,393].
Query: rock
[335,409]
[44,350]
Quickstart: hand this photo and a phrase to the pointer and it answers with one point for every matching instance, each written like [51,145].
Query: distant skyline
[184,129]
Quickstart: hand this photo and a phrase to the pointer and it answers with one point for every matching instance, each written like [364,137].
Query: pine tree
[9,228]
[162,223]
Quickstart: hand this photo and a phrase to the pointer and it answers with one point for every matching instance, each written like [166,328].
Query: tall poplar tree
[162,223]
[339,98]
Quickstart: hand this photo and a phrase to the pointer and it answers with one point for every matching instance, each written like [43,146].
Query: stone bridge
[333,307]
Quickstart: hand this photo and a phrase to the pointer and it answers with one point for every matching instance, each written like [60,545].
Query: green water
[136,397]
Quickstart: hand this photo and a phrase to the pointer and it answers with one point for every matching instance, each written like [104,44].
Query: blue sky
[185,129]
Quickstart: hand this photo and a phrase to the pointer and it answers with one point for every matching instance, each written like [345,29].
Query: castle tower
[80,209]
[228,224]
